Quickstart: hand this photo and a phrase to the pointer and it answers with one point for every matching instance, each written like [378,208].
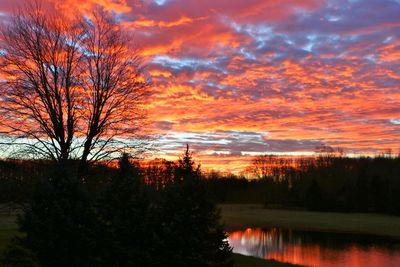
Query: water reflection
[315,248]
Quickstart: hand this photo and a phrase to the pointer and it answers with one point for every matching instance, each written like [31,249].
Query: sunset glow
[238,78]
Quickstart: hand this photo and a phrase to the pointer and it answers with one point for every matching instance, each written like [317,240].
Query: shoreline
[241,216]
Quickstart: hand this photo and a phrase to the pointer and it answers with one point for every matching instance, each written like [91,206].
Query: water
[316,248]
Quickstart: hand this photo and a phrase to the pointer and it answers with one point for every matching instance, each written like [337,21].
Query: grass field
[8,228]
[243,216]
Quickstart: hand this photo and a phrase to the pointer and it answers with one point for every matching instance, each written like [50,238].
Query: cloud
[227,72]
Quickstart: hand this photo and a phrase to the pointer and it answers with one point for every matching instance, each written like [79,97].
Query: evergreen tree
[123,227]
[60,224]
[124,210]
[192,233]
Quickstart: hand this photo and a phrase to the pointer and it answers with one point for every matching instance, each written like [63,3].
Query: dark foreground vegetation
[8,228]
[168,208]
[239,216]
[124,222]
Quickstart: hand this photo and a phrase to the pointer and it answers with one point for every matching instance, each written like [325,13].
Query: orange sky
[235,78]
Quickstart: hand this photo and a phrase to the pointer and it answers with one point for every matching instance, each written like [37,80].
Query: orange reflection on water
[305,249]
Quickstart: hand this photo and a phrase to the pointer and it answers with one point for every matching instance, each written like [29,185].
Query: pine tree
[192,232]
[124,210]
[60,224]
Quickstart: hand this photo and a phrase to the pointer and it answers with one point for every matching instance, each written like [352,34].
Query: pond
[309,248]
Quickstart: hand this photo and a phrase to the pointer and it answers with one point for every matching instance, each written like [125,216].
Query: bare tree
[71,88]
[113,78]
[271,167]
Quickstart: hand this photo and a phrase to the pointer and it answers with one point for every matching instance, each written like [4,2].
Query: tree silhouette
[192,233]
[71,86]
[60,225]
[124,212]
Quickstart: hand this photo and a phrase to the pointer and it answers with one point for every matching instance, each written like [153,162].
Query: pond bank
[247,261]
[239,216]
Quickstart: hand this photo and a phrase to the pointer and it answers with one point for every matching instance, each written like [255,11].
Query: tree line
[325,183]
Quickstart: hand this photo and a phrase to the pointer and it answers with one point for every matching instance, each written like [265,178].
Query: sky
[235,78]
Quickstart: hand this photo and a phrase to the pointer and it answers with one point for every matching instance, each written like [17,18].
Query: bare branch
[70,88]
